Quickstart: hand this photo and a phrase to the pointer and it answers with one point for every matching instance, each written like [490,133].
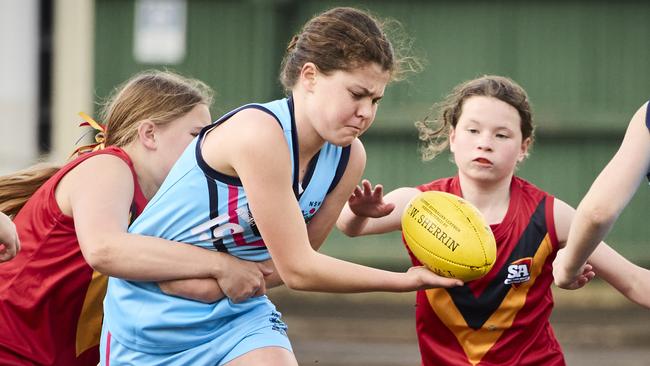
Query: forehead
[370,76]
[489,110]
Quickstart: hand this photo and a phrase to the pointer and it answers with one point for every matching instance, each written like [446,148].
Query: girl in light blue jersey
[606,199]
[265,181]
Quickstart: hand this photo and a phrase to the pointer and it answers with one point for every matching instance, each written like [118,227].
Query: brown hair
[160,96]
[343,39]
[435,134]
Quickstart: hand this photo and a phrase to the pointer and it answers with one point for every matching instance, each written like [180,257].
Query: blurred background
[584,64]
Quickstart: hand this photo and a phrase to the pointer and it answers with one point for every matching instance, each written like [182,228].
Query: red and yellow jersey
[50,298]
[502,318]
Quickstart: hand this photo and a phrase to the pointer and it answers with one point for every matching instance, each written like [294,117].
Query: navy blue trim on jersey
[207,169]
[296,150]
[340,169]
[311,168]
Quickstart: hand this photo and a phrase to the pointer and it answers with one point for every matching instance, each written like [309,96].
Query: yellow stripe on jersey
[476,343]
[89,326]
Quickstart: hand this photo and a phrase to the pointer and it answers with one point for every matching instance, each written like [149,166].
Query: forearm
[639,291]
[326,274]
[206,290]
[631,280]
[143,258]
[351,224]
[584,236]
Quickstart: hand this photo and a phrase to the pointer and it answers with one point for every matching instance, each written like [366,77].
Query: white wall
[18,83]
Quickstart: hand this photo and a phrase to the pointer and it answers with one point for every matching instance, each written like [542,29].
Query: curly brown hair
[434,134]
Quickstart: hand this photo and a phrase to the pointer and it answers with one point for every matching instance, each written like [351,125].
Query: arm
[101,217]
[267,181]
[609,194]
[207,290]
[9,241]
[629,279]
[626,277]
[367,212]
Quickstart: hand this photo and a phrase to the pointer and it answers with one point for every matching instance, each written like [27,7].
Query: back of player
[50,275]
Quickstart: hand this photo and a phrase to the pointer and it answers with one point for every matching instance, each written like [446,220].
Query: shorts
[264,330]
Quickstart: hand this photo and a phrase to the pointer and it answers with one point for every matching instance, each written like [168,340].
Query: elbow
[296,278]
[599,217]
[98,256]
[295,282]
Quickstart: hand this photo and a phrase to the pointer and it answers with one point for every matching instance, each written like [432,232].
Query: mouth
[483,161]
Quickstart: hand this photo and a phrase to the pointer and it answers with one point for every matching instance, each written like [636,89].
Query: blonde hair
[435,134]
[160,96]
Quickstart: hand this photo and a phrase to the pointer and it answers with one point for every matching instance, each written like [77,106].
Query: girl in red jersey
[502,318]
[607,197]
[73,225]
[9,241]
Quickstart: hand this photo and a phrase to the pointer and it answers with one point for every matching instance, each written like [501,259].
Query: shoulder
[249,126]
[562,218]
[357,158]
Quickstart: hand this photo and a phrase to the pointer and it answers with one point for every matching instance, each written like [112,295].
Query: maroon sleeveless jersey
[50,298]
[502,318]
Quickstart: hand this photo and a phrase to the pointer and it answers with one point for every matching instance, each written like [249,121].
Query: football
[448,235]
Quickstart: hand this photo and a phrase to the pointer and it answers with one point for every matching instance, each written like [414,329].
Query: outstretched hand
[367,201]
[571,280]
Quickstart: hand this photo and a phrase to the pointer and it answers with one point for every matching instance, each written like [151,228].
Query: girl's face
[343,104]
[487,141]
[173,137]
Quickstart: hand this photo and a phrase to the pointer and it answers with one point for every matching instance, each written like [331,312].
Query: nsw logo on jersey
[221,226]
[519,271]
[311,210]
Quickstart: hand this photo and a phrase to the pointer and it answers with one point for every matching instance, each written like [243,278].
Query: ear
[147,134]
[523,152]
[452,138]
[308,74]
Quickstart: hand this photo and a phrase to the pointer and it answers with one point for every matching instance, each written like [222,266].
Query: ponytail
[17,188]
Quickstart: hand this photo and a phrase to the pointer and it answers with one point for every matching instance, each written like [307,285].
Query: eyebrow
[366,92]
[501,127]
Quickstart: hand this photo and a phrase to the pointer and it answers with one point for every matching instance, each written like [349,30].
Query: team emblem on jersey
[519,272]
[220,227]
[311,211]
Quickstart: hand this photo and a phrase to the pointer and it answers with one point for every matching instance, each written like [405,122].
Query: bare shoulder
[357,155]
[563,216]
[103,175]
[100,167]
[247,136]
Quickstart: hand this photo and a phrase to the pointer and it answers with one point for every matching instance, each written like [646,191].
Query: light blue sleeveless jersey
[200,206]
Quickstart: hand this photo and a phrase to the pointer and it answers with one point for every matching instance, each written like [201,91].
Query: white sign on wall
[160,31]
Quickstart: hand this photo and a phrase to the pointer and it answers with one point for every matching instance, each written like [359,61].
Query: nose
[365,109]
[485,142]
